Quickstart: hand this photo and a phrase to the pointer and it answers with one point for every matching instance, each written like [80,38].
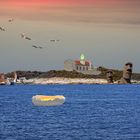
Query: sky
[106,31]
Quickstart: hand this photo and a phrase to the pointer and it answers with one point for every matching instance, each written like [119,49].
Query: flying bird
[54,40]
[36,47]
[28,38]
[22,35]
[11,20]
[25,37]
[2,29]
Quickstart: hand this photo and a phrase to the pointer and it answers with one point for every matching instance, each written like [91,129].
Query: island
[68,77]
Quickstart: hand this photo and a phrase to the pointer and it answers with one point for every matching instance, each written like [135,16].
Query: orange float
[42,100]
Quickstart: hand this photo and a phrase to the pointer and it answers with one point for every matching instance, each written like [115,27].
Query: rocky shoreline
[62,80]
[68,77]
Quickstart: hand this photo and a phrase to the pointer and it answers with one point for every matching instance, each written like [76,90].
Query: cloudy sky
[106,31]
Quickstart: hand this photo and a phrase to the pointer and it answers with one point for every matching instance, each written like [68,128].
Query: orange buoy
[42,100]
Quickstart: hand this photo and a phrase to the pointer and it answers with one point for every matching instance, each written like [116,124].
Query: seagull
[22,35]
[54,40]
[28,38]
[25,37]
[11,20]
[2,29]
[36,47]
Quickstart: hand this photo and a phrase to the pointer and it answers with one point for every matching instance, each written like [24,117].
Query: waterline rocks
[127,74]
[61,80]
[109,76]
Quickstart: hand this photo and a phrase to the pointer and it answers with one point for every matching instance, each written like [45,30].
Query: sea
[90,112]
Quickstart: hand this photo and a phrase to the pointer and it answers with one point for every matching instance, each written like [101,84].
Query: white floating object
[42,100]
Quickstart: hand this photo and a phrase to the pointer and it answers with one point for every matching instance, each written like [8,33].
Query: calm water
[91,112]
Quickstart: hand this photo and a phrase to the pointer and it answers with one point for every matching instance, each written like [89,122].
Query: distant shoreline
[62,80]
[68,77]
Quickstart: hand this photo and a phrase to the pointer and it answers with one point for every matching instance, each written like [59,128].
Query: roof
[78,62]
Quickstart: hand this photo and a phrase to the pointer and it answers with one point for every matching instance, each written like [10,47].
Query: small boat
[12,83]
[2,83]
[42,100]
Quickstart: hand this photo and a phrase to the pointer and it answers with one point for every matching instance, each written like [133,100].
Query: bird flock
[24,36]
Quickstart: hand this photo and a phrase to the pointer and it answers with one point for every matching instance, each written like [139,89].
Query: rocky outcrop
[127,74]
[62,80]
[109,76]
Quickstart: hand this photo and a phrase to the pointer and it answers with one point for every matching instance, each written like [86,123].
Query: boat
[42,100]
[12,83]
[2,83]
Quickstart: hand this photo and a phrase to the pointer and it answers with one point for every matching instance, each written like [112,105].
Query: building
[82,66]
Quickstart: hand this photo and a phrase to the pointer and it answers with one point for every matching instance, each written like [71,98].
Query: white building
[82,65]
